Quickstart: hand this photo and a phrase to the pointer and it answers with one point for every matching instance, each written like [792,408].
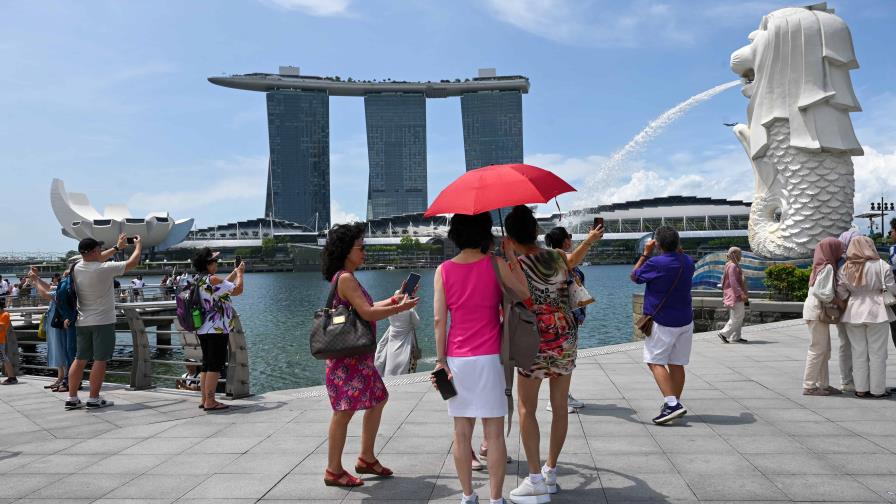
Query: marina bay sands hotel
[299,136]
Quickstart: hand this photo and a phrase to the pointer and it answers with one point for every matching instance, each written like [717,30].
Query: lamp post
[883,208]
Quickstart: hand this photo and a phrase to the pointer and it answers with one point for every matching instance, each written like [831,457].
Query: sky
[112,97]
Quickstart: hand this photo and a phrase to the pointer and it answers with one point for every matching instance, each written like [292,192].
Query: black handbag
[340,332]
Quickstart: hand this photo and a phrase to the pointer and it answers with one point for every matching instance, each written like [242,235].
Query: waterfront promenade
[750,436]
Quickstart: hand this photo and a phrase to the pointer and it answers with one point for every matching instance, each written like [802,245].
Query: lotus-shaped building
[80,220]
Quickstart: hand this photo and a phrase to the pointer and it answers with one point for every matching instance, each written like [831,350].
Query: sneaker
[569,409]
[669,413]
[71,404]
[816,391]
[530,493]
[98,403]
[741,340]
[474,499]
[848,387]
[833,391]
[724,339]
[10,381]
[574,403]
[550,480]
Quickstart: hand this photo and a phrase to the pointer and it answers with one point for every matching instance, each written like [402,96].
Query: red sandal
[365,467]
[343,479]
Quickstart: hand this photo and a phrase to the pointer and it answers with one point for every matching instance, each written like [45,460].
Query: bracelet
[645,256]
[393,300]
[442,361]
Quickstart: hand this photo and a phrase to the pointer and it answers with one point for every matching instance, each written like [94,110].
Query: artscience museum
[79,219]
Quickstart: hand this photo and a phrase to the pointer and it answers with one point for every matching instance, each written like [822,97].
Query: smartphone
[411,283]
[598,221]
[130,240]
[237,261]
[446,388]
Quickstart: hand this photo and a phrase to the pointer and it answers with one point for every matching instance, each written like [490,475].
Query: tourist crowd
[469,291]
[850,288]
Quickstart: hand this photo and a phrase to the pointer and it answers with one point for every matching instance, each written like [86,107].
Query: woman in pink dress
[353,383]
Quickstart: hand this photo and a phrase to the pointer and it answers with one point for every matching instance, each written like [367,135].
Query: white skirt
[479,381]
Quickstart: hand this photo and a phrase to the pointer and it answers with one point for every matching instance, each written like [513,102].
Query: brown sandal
[343,479]
[365,467]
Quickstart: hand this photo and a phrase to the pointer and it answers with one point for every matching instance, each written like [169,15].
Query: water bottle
[197,318]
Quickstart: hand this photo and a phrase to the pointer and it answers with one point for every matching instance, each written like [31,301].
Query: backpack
[66,300]
[520,339]
[189,307]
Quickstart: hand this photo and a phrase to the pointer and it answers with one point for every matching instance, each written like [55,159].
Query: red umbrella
[498,186]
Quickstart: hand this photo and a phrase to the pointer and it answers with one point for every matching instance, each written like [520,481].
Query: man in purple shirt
[667,297]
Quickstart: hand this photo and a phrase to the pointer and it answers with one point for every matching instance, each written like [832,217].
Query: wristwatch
[116,248]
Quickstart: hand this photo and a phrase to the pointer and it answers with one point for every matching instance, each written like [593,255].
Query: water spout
[655,127]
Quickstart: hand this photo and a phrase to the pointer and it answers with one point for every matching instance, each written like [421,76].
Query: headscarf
[847,236]
[861,250]
[828,251]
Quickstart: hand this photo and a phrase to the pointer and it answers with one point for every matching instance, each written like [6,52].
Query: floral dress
[353,383]
[547,276]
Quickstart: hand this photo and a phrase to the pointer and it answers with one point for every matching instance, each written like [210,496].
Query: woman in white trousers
[734,292]
[863,281]
[822,290]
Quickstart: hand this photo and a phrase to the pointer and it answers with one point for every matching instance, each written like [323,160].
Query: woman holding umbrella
[547,273]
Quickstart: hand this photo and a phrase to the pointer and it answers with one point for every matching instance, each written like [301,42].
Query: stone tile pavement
[750,436]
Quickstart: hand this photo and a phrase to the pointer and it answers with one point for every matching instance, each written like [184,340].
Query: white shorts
[669,345]
[479,381]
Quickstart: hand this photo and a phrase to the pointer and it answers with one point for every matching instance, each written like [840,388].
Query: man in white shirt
[4,286]
[95,328]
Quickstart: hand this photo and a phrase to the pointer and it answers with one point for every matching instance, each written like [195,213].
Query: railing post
[141,367]
[237,362]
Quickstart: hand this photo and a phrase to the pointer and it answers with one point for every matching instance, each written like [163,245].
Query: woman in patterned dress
[353,383]
[547,274]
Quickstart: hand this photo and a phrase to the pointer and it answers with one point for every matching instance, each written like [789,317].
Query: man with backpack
[92,279]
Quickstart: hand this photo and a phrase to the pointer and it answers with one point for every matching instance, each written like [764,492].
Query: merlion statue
[800,137]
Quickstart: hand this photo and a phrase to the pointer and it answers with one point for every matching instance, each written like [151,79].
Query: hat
[88,244]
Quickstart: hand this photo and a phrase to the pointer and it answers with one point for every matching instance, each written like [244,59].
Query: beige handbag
[889,298]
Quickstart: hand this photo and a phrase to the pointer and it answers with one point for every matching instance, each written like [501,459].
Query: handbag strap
[506,302]
[332,295]
[883,276]
[660,306]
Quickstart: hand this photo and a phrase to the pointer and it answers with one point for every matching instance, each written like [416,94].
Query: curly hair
[201,259]
[521,225]
[340,240]
[472,231]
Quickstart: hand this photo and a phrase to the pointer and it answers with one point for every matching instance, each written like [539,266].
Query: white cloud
[609,24]
[875,177]
[229,181]
[339,215]
[606,23]
[321,8]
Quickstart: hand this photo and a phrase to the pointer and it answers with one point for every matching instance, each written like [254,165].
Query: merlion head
[797,68]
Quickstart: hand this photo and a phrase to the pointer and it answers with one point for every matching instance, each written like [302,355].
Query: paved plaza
[749,436]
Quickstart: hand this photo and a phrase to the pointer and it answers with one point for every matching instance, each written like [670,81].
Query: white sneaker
[530,493]
[569,409]
[575,403]
[474,499]
[550,480]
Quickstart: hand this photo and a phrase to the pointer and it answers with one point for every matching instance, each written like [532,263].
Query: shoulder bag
[889,298]
[340,332]
[645,321]
[520,339]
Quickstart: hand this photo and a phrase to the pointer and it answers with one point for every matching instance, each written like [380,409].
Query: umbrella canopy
[498,186]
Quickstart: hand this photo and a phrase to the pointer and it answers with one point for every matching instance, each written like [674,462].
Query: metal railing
[136,320]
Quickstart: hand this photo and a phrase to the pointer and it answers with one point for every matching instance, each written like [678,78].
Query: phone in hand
[130,240]
[446,388]
[598,221]
[237,261]
[410,284]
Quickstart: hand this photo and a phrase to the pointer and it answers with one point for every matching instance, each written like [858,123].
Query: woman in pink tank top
[468,291]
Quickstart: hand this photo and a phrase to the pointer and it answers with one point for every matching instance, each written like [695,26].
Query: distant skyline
[112,97]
